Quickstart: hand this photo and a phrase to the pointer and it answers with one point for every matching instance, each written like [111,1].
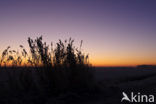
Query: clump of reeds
[64,68]
[13,58]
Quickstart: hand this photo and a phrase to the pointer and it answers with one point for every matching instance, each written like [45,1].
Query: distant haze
[115,32]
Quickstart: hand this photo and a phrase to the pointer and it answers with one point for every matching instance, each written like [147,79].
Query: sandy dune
[112,82]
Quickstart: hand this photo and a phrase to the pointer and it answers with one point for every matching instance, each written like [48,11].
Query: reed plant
[48,69]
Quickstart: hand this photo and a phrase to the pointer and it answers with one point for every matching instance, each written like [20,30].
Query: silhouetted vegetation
[48,70]
[61,73]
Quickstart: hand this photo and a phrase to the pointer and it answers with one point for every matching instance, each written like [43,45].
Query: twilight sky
[115,32]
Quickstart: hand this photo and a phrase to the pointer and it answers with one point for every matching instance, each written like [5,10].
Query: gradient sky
[115,32]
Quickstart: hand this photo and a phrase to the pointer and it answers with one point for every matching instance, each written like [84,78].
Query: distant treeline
[146,66]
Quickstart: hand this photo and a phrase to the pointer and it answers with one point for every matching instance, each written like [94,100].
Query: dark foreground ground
[110,81]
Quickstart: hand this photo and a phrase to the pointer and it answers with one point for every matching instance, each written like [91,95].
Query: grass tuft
[48,70]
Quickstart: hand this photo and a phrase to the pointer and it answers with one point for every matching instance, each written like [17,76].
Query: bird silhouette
[125,97]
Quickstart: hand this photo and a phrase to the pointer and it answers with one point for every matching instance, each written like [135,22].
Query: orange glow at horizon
[112,61]
[121,61]
[106,63]
[112,57]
